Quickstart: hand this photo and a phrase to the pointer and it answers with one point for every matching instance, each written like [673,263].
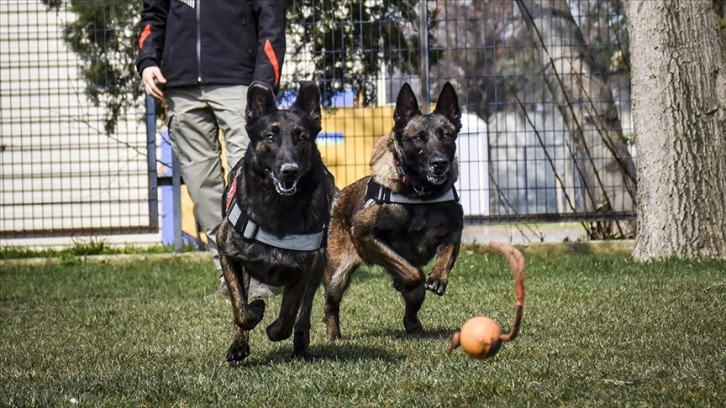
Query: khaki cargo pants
[196,116]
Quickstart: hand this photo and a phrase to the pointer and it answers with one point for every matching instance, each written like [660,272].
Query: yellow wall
[361,128]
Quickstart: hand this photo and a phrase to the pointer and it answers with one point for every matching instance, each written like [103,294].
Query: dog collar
[420,190]
[399,170]
[250,230]
[379,194]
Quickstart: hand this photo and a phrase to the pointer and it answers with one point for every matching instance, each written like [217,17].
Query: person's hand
[153,79]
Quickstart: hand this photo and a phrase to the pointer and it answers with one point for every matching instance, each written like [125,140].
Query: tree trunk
[600,153]
[679,114]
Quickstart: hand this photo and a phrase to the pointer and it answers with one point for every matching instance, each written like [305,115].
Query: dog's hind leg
[301,337]
[301,331]
[292,297]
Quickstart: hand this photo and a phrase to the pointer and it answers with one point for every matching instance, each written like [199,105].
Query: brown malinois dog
[403,215]
[276,212]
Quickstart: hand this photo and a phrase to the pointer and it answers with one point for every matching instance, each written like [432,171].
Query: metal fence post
[176,193]
[424,52]
[154,178]
[151,163]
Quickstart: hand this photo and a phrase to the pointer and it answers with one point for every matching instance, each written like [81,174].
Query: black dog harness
[379,194]
[250,230]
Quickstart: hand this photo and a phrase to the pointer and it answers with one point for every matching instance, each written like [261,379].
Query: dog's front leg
[407,278]
[375,251]
[343,260]
[446,255]
[301,337]
[246,317]
[292,296]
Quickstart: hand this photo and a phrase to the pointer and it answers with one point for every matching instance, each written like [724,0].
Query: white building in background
[472,147]
[59,171]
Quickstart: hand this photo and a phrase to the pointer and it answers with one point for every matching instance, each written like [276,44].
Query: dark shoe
[259,290]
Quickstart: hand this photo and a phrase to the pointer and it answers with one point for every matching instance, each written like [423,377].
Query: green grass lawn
[599,329]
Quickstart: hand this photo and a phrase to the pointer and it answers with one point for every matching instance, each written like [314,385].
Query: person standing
[201,55]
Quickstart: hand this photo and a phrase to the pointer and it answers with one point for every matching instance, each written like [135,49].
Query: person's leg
[194,134]
[229,103]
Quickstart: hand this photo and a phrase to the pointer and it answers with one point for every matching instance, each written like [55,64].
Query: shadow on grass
[347,352]
[400,334]
[343,351]
[333,352]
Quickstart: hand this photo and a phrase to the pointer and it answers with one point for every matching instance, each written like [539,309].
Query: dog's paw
[238,351]
[333,333]
[436,286]
[412,326]
[257,307]
[254,314]
[276,332]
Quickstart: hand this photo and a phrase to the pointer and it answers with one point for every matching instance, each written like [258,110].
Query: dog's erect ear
[406,105]
[448,104]
[260,101]
[308,101]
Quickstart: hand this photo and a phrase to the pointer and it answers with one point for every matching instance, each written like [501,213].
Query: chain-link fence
[543,85]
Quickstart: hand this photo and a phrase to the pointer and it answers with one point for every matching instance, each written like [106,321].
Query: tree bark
[679,114]
[600,152]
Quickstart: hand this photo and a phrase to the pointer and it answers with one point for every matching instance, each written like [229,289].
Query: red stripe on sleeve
[273,60]
[144,35]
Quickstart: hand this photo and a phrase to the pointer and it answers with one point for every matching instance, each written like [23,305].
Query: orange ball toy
[479,337]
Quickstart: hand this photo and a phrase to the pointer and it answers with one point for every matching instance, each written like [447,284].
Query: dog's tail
[516,262]
[485,341]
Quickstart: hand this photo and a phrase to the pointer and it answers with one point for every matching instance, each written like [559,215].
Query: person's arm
[271,23]
[151,45]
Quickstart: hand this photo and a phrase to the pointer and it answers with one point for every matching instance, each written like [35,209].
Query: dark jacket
[213,41]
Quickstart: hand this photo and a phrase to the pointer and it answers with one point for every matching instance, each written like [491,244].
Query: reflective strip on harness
[248,229]
[379,194]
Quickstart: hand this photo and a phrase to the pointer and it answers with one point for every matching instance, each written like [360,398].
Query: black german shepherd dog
[403,215]
[276,210]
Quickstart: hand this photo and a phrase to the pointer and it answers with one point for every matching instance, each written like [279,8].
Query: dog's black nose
[289,169]
[439,164]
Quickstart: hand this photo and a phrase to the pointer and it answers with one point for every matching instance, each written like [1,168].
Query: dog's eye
[270,138]
[445,136]
[299,135]
[420,137]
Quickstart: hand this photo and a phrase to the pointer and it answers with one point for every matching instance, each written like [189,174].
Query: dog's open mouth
[283,187]
[437,170]
[436,178]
